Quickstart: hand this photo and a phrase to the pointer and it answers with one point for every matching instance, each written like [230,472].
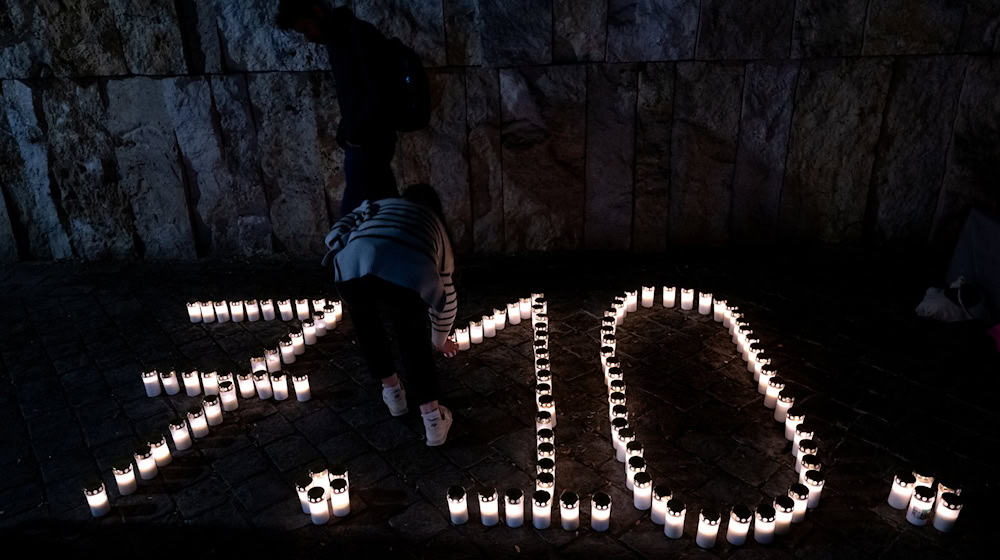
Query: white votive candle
[252,310]
[633,466]
[301,383]
[727,315]
[476,331]
[302,485]
[489,507]
[171,385]
[802,431]
[543,420]
[318,303]
[279,385]
[784,509]
[458,507]
[805,447]
[739,525]
[808,462]
[669,296]
[923,478]
[285,309]
[302,309]
[687,299]
[658,509]
[267,310]
[719,308]
[524,308]
[161,451]
[340,499]
[287,350]
[192,383]
[673,526]
[631,301]
[124,476]
[222,311]
[227,392]
[462,338]
[319,321]
[545,480]
[708,528]
[309,332]
[338,311]
[600,512]
[145,462]
[199,425]
[763,529]
[546,403]
[319,510]
[793,417]
[97,498]
[298,340]
[921,505]
[514,507]
[194,311]
[642,490]
[625,436]
[949,505]
[786,399]
[902,490]
[245,383]
[647,296]
[774,386]
[799,494]
[619,307]
[209,382]
[569,510]
[489,327]
[513,313]
[945,485]
[541,509]
[815,481]
[213,409]
[236,310]
[151,382]
[704,303]
[179,433]
[207,312]
[499,318]
[272,359]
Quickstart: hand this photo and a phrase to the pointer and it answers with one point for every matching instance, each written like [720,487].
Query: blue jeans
[368,172]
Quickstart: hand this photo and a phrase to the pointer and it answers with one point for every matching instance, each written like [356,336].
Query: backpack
[409,95]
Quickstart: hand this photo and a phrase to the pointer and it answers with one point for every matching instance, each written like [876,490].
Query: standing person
[392,262]
[381,88]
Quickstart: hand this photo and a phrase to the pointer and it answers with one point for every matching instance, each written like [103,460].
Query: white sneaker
[395,399]
[437,424]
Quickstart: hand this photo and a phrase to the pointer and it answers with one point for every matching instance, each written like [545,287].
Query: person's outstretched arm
[442,321]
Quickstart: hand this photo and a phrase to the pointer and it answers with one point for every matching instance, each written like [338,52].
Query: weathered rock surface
[910,157]
[579,30]
[980,27]
[252,43]
[8,245]
[611,91]
[198,23]
[824,28]
[462,30]
[543,157]
[485,180]
[838,111]
[417,23]
[646,30]
[904,27]
[654,117]
[760,157]
[516,32]
[436,155]
[974,158]
[151,36]
[705,133]
[82,38]
[734,29]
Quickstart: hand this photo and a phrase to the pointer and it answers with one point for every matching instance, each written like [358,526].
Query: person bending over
[392,262]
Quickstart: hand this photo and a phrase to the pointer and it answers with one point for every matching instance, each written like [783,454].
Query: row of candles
[487,327]
[254,310]
[324,491]
[771,519]
[914,491]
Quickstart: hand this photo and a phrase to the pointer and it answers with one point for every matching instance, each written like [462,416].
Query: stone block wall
[188,128]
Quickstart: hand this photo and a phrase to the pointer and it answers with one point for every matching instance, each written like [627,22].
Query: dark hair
[292,11]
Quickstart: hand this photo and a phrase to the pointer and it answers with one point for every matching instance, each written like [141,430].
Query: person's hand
[449,348]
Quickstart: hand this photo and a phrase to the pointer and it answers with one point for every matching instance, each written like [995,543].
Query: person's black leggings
[373,302]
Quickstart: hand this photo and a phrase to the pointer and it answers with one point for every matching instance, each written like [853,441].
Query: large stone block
[760,158]
[646,30]
[151,36]
[24,45]
[543,157]
[24,176]
[293,167]
[654,117]
[824,28]
[580,30]
[973,166]
[835,124]
[436,155]
[462,30]
[150,166]
[251,42]
[705,133]
[197,21]
[736,29]
[82,38]
[611,95]
[906,27]
[482,104]
[417,23]
[516,32]
[910,158]
[84,172]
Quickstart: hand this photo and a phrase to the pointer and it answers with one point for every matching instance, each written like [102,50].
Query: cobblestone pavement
[885,390]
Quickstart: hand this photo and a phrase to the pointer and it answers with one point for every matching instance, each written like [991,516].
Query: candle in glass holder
[236,310]
[803,431]
[622,438]
[302,309]
[541,509]
[272,360]
[319,321]
[301,383]
[303,484]
[309,332]
[805,447]
[124,476]
[524,308]
[543,419]
[642,489]
[546,466]
[171,385]
[735,317]
[600,511]
[704,303]
[616,425]
[669,296]
[614,399]
[633,466]
[647,296]
[569,510]
[179,433]
[489,507]
[207,312]
[319,509]
[921,504]
[489,327]
[262,382]
[267,310]
[754,351]
[750,345]
[221,311]
[340,498]
[227,392]
[514,507]
[513,314]
[543,375]
[545,480]
[298,340]
[618,411]
[145,462]
[245,382]
[546,450]
[774,386]
[192,383]
[462,338]
[458,507]
[763,529]
[633,449]
[727,315]
[209,382]
[739,525]
[807,462]
[793,417]
[213,409]
[224,376]
[499,318]
[658,510]
[784,508]
[786,399]
[318,303]
[616,378]
[631,301]
[161,451]
[760,360]
[949,505]
[923,478]
[338,311]
[815,481]
[330,316]
[547,403]
[542,389]
[285,309]
[194,311]
[287,350]
[799,494]
[687,299]
[279,385]
[545,435]
[252,310]
[619,308]
[902,490]
[97,498]
[708,528]
[945,485]
[673,526]
[719,308]
[151,382]
[537,312]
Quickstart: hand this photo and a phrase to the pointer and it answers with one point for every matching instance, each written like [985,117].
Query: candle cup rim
[922,494]
[316,495]
[513,495]
[952,501]
[785,503]
[741,513]
[799,490]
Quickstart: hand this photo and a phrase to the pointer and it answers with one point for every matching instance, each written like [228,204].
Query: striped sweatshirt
[403,243]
